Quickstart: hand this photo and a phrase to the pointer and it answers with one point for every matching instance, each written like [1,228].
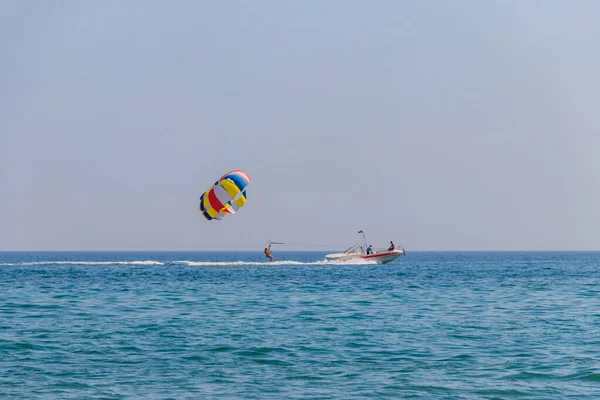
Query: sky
[441,125]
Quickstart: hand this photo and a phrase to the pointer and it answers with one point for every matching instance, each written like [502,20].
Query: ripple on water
[432,325]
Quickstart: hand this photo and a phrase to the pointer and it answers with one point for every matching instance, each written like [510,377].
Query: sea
[228,325]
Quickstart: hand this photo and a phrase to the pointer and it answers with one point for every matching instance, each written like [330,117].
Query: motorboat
[380,256]
[357,253]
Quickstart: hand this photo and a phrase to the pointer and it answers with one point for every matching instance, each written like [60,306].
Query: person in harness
[268,253]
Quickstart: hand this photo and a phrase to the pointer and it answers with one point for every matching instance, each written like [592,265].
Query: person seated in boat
[392,246]
[268,253]
[369,250]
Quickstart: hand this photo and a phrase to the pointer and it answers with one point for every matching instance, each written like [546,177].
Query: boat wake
[240,263]
[268,263]
[147,262]
[189,263]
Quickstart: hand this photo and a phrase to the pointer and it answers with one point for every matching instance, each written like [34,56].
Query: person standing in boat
[392,246]
[369,249]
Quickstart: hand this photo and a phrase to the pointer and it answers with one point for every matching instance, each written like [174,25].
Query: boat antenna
[364,237]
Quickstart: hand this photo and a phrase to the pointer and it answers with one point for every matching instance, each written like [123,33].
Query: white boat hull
[380,257]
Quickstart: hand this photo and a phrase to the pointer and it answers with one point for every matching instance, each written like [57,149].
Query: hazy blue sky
[444,125]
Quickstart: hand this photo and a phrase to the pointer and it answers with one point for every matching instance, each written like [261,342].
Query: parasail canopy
[225,196]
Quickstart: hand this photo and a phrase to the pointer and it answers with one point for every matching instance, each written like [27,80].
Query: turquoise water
[205,325]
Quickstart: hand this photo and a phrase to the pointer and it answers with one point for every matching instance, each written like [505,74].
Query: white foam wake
[267,263]
[193,263]
[239,263]
[147,262]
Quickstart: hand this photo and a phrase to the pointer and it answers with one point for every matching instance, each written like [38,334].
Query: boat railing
[353,249]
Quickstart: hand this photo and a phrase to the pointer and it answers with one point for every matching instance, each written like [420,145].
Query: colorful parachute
[226,196]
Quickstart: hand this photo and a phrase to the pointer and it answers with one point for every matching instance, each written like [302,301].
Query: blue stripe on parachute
[239,182]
